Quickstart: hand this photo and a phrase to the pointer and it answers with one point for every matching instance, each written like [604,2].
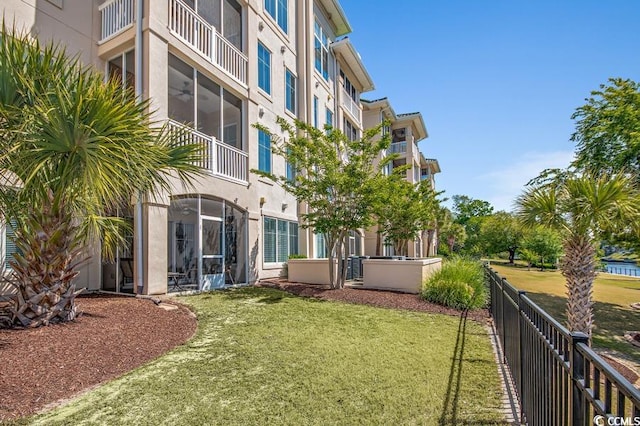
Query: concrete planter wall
[381,274]
[309,271]
[398,275]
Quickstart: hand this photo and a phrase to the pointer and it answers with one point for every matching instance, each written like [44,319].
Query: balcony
[220,159]
[116,16]
[397,148]
[202,37]
[351,106]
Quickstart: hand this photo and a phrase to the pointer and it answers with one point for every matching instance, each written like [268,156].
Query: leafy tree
[404,210]
[465,208]
[583,209]
[607,132]
[335,177]
[72,150]
[470,213]
[544,244]
[453,235]
[501,232]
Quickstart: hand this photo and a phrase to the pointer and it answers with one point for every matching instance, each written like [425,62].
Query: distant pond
[622,268]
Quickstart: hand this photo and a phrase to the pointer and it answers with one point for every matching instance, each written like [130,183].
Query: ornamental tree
[335,178]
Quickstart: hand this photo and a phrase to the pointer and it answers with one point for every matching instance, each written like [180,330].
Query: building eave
[416,120]
[337,17]
[345,52]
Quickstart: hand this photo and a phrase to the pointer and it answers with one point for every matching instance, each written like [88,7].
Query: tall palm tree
[585,209]
[73,149]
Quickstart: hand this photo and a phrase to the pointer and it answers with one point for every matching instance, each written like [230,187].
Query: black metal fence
[560,380]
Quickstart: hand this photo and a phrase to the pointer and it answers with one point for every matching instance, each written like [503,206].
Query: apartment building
[406,130]
[212,69]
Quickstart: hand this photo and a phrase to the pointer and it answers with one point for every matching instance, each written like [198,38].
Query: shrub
[297,256]
[459,284]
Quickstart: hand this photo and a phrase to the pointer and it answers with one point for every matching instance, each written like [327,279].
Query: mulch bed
[114,334]
[383,299]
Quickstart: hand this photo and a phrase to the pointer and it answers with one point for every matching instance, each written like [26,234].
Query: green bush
[459,284]
[297,256]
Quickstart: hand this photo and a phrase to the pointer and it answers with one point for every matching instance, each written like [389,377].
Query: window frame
[321,46]
[264,143]
[283,234]
[279,11]
[290,91]
[264,68]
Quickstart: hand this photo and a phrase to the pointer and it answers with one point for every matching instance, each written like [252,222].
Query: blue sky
[495,80]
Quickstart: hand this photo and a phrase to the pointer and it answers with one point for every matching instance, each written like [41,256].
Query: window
[350,130]
[290,91]
[321,247]
[315,112]
[264,151]
[10,246]
[270,240]
[280,239]
[278,9]
[122,68]
[199,102]
[264,68]
[329,117]
[291,171]
[321,50]
[349,88]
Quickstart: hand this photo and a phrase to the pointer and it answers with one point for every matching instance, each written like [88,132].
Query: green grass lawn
[612,295]
[262,356]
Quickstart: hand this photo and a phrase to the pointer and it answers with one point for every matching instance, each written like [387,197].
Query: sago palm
[73,149]
[585,209]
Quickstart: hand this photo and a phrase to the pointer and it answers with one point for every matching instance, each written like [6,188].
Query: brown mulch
[383,299]
[624,371]
[114,335]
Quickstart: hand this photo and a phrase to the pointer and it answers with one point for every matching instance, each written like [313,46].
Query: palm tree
[585,209]
[73,150]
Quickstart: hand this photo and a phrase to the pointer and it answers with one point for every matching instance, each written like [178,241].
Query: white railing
[186,24]
[116,16]
[352,107]
[191,28]
[230,59]
[217,157]
[397,148]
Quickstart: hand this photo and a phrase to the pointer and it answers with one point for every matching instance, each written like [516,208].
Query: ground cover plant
[459,284]
[263,356]
[612,295]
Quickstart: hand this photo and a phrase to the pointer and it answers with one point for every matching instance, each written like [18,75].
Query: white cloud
[504,185]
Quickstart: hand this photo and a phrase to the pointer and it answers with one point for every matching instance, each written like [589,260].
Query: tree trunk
[378,242]
[579,269]
[430,235]
[451,241]
[44,270]
[330,242]
[512,255]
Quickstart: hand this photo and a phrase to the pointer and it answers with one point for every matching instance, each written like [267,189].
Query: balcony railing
[116,16]
[219,158]
[397,148]
[352,107]
[186,24]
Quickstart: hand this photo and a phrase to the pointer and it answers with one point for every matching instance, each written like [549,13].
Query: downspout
[139,249]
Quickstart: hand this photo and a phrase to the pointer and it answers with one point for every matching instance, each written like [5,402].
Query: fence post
[576,369]
[503,282]
[519,385]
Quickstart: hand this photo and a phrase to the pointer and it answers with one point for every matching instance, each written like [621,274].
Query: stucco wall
[399,275]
